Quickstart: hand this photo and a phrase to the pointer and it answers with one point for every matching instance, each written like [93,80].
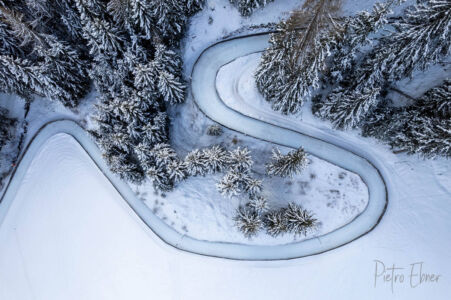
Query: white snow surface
[195,208]
[82,241]
[70,235]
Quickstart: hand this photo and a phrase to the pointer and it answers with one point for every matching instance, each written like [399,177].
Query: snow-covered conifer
[168,16]
[140,12]
[346,42]
[103,37]
[216,158]
[240,159]
[252,186]
[124,165]
[172,90]
[421,128]
[247,7]
[160,178]
[214,130]
[193,6]
[163,154]
[230,185]
[57,73]
[290,68]
[259,204]
[248,221]
[437,101]
[299,221]
[196,163]
[287,165]
[18,76]
[346,109]
[177,170]
[276,222]
[420,38]
[7,126]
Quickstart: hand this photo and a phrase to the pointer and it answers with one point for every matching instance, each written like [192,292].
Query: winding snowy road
[70,235]
[317,142]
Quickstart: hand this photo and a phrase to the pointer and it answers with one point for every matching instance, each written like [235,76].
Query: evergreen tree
[214,130]
[56,69]
[352,34]
[420,38]
[437,101]
[287,165]
[193,6]
[290,68]
[247,7]
[248,221]
[276,222]
[258,204]
[231,184]
[171,88]
[169,18]
[253,187]
[7,127]
[422,128]
[299,221]
[240,159]
[177,170]
[196,163]
[216,159]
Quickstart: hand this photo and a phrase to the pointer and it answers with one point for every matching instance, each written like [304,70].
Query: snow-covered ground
[41,111]
[70,235]
[195,208]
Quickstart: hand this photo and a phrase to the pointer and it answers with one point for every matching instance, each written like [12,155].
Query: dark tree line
[355,60]
[127,48]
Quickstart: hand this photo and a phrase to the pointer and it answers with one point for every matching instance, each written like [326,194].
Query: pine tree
[345,109]
[437,101]
[231,184]
[253,187]
[346,43]
[240,159]
[248,222]
[290,68]
[104,39]
[170,88]
[276,222]
[57,70]
[247,7]
[168,17]
[216,159]
[196,163]
[193,6]
[7,127]
[287,165]
[299,221]
[259,204]
[214,130]
[420,39]
[177,170]
[422,128]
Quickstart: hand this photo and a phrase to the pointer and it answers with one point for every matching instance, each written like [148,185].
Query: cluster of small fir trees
[256,214]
